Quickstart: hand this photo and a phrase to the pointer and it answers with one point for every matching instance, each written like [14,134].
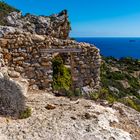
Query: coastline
[115,47]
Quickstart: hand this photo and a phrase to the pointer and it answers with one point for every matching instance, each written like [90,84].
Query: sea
[116,47]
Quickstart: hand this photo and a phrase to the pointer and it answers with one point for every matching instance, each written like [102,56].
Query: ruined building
[29,43]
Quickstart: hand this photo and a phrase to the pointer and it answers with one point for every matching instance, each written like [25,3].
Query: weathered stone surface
[3,137]
[14,74]
[24,43]
[38,38]
[114,90]
[73,120]
[11,96]
[6,29]
[125,84]
[23,85]
[56,25]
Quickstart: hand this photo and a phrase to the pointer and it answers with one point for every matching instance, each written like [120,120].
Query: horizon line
[104,36]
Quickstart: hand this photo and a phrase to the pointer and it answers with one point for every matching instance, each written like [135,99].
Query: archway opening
[62,78]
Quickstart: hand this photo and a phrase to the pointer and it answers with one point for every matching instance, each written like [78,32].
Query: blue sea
[116,47]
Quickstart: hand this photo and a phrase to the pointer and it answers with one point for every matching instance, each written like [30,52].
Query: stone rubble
[56,25]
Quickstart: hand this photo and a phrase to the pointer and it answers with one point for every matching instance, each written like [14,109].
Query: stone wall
[56,25]
[22,54]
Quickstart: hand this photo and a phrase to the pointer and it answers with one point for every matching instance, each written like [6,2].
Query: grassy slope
[114,73]
[4,10]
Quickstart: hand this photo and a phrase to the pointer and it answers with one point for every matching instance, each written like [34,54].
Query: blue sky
[90,18]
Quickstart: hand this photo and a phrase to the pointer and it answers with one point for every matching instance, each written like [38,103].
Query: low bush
[131,103]
[25,114]
[61,75]
[114,79]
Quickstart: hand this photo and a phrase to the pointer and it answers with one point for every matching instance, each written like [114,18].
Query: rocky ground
[59,118]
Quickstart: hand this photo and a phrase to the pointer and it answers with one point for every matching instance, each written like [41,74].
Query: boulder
[12,19]
[114,90]
[14,74]
[138,92]
[38,38]
[11,97]
[8,29]
[86,90]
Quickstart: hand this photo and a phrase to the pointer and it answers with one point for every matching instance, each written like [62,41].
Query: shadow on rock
[12,100]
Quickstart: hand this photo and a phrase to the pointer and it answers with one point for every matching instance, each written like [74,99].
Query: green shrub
[69,93]
[61,75]
[131,103]
[111,99]
[26,113]
[107,95]
[126,66]
[103,94]
[77,92]
[94,96]
[116,75]
[134,83]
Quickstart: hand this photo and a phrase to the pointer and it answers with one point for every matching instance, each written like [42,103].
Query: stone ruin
[29,43]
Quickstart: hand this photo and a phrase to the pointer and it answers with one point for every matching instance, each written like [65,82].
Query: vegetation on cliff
[4,10]
[120,81]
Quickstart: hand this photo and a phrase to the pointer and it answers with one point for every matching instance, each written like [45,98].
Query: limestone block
[47,64]
[3,42]
[37,38]
[24,85]
[19,69]
[24,64]
[14,74]
[18,59]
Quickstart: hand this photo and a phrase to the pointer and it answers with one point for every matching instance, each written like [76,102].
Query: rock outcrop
[12,95]
[56,25]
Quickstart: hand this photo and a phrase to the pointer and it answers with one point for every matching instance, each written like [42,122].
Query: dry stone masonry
[29,53]
[56,25]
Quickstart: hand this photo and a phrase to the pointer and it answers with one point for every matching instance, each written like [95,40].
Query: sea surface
[116,47]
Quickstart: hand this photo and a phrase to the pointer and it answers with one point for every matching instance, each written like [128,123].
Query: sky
[90,18]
